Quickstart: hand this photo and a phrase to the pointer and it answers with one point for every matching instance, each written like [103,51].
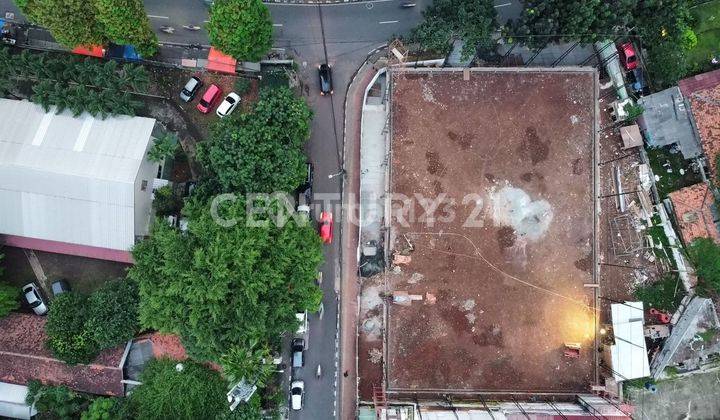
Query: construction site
[490,286]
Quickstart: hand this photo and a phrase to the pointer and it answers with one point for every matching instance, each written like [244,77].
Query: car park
[190,89]
[32,296]
[209,98]
[326,227]
[298,352]
[325,75]
[60,286]
[297,394]
[228,105]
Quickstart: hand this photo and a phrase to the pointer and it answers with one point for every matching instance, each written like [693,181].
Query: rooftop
[705,105]
[492,288]
[24,357]
[694,213]
[666,121]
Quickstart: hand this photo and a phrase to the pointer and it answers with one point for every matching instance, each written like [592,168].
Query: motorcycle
[191,27]
[407,4]
[319,371]
[167,29]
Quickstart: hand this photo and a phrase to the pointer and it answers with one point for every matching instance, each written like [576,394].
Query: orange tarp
[220,62]
[91,50]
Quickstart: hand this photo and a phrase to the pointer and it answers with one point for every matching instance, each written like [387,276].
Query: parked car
[305,192]
[298,352]
[326,85]
[297,394]
[302,317]
[208,99]
[34,299]
[228,105]
[191,88]
[326,227]
[60,286]
[627,56]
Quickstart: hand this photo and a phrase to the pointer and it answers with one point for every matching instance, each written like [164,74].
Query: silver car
[34,299]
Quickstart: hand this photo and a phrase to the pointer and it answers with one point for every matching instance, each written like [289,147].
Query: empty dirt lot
[512,154]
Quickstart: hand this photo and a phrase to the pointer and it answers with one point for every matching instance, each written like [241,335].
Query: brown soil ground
[513,154]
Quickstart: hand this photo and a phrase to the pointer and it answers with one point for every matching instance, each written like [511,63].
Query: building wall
[143,194]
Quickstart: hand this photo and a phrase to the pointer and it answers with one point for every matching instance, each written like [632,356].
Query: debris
[416,278]
[375,356]
[401,259]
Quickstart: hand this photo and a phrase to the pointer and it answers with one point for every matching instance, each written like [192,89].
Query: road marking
[388,21]
[157,17]
[502,5]
[278,24]
[206,21]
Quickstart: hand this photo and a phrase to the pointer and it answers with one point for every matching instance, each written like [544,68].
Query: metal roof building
[667,120]
[78,186]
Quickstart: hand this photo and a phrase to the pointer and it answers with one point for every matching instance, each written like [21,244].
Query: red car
[326,227]
[627,56]
[208,99]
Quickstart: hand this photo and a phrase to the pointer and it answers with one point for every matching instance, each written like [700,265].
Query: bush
[163,147]
[104,409]
[196,392]
[664,294]
[67,337]
[242,85]
[705,256]
[166,202]
[8,299]
[113,317]
[56,402]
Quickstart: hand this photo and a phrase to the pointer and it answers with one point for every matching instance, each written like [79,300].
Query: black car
[304,194]
[298,352]
[60,286]
[325,73]
[190,89]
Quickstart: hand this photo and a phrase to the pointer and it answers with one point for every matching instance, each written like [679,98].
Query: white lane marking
[502,5]
[278,24]
[206,21]
[388,21]
[157,17]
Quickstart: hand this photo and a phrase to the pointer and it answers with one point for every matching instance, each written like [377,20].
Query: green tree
[261,151]
[9,299]
[193,392]
[163,147]
[103,409]
[166,202]
[705,256]
[225,287]
[241,28]
[113,314]
[444,21]
[71,22]
[667,63]
[126,22]
[67,337]
[55,402]
[252,410]
[251,363]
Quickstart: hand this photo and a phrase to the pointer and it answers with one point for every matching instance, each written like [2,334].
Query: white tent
[628,355]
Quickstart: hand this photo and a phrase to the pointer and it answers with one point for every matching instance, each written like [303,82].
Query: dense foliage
[93,22]
[194,392]
[241,28]
[9,299]
[471,21]
[101,88]
[105,409]
[163,147]
[79,327]
[167,202]
[665,294]
[260,151]
[55,402]
[705,256]
[225,287]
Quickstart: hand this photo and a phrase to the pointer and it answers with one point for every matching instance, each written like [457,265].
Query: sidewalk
[349,291]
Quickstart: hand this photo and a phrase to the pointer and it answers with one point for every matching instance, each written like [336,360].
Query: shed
[628,355]
[631,136]
[667,121]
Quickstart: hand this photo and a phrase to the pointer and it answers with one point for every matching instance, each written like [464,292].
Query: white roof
[629,355]
[69,179]
[12,401]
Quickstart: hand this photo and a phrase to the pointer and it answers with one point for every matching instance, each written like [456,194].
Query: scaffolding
[625,237]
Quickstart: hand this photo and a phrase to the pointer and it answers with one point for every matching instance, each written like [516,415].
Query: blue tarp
[126,52]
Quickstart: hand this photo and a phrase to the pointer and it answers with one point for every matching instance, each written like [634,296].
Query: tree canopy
[471,21]
[241,28]
[225,287]
[705,256]
[260,151]
[193,392]
[93,22]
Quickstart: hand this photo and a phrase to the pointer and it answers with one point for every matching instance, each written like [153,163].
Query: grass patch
[667,166]
[707,28]
[709,334]
[665,294]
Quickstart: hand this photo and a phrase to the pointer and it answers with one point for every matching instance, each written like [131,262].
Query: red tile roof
[699,82]
[692,210]
[703,92]
[24,357]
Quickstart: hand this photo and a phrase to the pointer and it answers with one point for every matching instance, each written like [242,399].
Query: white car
[228,105]
[302,318]
[34,299]
[297,394]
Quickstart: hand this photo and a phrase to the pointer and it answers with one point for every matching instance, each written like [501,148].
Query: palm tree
[163,147]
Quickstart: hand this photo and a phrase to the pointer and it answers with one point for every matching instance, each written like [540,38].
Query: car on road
[305,192]
[302,318]
[190,89]
[298,352]
[228,105]
[326,84]
[208,99]
[628,58]
[34,299]
[60,286]
[326,227]
[297,394]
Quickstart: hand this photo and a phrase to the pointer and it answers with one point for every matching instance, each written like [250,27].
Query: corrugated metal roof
[69,179]
[629,354]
